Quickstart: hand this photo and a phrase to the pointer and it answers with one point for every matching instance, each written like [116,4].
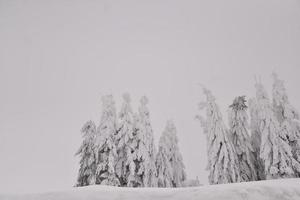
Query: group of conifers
[268,148]
[120,151]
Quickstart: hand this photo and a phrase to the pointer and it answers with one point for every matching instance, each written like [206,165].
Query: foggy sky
[58,57]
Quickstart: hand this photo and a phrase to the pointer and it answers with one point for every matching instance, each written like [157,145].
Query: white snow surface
[284,189]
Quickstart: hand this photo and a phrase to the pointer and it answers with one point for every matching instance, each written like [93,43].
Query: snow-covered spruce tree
[238,124]
[256,138]
[126,145]
[88,165]
[287,116]
[163,165]
[222,158]
[274,150]
[179,175]
[145,150]
[105,145]
[254,124]
[283,109]
[169,162]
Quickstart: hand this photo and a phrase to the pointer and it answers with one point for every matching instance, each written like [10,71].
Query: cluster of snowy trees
[266,148]
[120,151]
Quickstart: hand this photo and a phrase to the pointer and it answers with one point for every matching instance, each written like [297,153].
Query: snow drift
[287,189]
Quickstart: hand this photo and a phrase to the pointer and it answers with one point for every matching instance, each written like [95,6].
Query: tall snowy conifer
[179,175]
[222,158]
[146,149]
[256,137]
[126,145]
[87,170]
[169,162]
[274,150]
[105,144]
[287,116]
[238,124]
[163,165]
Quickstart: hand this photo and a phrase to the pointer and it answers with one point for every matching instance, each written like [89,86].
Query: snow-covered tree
[256,137]
[163,165]
[283,109]
[238,124]
[287,116]
[222,158]
[145,149]
[88,165]
[105,144]
[179,175]
[274,150]
[169,162]
[126,142]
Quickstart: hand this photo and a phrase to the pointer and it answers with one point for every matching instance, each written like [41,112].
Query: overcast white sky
[58,57]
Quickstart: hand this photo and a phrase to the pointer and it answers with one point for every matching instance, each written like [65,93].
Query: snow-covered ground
[287,189]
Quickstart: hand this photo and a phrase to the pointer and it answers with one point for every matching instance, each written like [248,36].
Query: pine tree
[238,123]
[287,116]
[126,145]
[256,138]
[88,165]
[179,175]
[222,159]
[274,150]
[106,149]
[163,165]
[169,162]
[146,149]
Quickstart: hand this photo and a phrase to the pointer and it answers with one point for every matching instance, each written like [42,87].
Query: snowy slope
[287,189]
